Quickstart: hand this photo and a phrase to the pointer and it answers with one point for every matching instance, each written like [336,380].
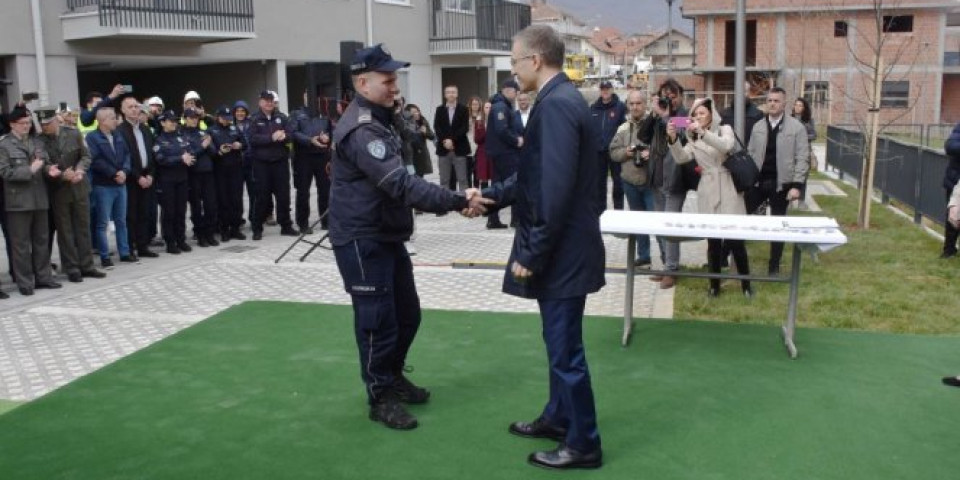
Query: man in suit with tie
[451,122]
[558,254]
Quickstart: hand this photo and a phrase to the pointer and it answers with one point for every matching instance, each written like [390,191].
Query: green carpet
[272,391]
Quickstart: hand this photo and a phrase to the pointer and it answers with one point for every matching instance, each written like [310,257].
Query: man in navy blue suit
[558,255]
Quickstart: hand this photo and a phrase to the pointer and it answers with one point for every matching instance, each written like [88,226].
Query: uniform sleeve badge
[277,120]
[156,148]
[377,148]
[500,116]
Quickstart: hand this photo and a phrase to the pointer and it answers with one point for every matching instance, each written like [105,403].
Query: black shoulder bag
[743,170]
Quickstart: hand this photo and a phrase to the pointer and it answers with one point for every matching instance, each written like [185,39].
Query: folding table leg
[628,296]
[790,326]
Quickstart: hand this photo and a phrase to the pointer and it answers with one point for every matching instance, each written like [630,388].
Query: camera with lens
[664,103]
[637,150]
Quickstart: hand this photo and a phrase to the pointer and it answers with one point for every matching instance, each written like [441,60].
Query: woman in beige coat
[709,143]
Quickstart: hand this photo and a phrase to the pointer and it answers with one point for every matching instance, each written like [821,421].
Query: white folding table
[820,233]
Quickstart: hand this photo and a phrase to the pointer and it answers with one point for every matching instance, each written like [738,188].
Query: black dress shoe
[212,241]
[773,271]
[184,247]
[951,381]
[147,253]
[236,235]
[129,259]
[224,237]
[306,230]
[946,255]
[538,428]
[495,225]
[289,232]
[564,457]
[203,243]
[173,249]
[106,263]
[26,291]
[409,393]
[93,273]
[258,235]
[4,296]
[75,277]
[49,285]
[390,412]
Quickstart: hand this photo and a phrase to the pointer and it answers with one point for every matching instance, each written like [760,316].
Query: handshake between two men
[477,204]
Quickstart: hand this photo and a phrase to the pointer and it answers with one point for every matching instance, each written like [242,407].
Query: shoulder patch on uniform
[500,116]
[377,148]
[156,148]
[277,120]
[364,115]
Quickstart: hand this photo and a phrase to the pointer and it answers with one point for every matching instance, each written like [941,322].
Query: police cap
[168,115]
[375,59]
[510,83]
[225,112]
[190,113]
[46,114]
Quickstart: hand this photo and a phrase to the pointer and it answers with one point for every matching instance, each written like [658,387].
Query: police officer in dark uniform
[173,163]
[371,215]
[229,144]
[311,153]
[271,165]
[504,139]
[203,185]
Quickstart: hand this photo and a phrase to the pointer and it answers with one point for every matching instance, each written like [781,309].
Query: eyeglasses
[514,61]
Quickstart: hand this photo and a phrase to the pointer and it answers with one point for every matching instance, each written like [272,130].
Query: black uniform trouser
[173,206]
[767,190]
[717,248]
[273,182]
[72,216]
[203,203]
[139,201]
[386,309]
[251,183]
[610,169]
[31,257]
[308,169]
[229,177]
[950,233]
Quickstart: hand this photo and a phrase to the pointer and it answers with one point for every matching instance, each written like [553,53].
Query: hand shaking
[477,205]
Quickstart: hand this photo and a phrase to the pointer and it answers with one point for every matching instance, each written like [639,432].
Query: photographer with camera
[665,176]
[634,156]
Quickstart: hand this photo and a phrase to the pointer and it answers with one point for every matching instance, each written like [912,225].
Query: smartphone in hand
[680,123]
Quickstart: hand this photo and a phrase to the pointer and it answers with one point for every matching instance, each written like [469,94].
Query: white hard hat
[156,100]
[191,95]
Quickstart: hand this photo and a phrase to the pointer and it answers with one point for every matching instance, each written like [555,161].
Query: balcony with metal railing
[174,20]
[475,27]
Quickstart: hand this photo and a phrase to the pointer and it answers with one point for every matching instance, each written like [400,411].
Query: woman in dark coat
[422,164]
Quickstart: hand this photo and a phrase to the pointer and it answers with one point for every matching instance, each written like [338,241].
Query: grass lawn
[886,279]
[7,405]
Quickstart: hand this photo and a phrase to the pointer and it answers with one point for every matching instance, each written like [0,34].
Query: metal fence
[212,15]
[910,173]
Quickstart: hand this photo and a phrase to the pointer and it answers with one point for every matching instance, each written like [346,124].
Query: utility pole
[740,74]
[669,37]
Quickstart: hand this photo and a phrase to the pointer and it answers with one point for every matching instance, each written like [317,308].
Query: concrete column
[275,78]
[711,44]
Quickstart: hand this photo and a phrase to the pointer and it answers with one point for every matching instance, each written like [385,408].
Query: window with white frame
[465,6]
[895,94]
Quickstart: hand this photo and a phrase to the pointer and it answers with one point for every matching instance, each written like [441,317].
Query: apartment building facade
[819,48]
[231,49]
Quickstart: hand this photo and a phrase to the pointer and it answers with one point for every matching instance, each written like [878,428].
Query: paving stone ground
[56,336]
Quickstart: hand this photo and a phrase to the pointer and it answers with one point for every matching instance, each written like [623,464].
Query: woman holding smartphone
[709,143]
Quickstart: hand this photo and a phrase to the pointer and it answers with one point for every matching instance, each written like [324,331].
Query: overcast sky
[630,16]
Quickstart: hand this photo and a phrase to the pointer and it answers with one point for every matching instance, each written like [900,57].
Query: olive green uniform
[25,195]
[70,201]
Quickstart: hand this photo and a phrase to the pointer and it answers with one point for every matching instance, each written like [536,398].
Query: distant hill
[630,16]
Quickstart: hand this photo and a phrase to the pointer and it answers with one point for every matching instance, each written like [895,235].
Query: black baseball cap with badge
[375,59]
[190,113]
[225,112]
[605,84]
[168,115]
